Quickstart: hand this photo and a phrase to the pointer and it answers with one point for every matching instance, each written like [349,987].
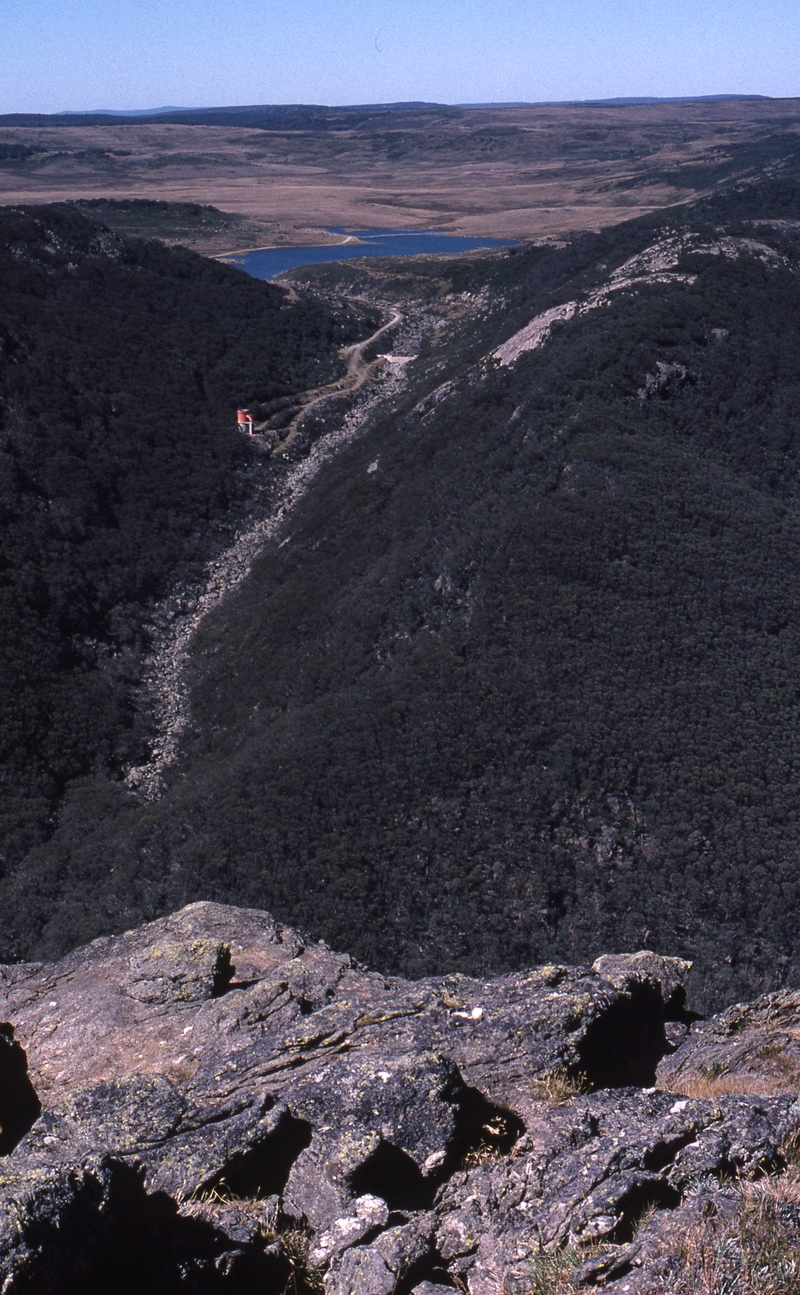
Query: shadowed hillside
[121,470]
[523,686]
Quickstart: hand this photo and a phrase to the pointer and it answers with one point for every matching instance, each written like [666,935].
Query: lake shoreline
[268,262]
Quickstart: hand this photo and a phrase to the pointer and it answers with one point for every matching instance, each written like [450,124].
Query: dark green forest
[531,690]
[121,471]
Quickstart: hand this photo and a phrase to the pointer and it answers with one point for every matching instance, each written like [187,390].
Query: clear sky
[84,54]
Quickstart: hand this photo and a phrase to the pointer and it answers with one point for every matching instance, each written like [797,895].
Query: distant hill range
[270,115]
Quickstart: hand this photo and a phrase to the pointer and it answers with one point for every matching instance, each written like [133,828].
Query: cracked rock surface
[225,1106]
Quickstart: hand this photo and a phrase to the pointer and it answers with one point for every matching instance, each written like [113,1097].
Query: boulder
[668,975]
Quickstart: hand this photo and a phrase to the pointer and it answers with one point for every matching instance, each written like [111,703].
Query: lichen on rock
[270,1111]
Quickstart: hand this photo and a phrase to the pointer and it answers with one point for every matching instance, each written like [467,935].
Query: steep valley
[514,678]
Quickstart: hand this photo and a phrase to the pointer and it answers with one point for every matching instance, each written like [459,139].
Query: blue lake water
[376,242]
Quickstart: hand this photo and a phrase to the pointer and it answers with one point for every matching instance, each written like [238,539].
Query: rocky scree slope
[213,1103]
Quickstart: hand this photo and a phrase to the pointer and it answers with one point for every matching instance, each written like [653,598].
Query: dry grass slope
[514,172]
[782,1077]
[756,1251]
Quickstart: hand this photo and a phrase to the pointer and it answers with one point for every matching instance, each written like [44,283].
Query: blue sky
[85,54]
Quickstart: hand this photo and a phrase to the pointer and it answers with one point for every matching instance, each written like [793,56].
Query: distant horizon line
[399,105]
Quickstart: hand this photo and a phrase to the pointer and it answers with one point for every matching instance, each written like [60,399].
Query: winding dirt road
[359,371]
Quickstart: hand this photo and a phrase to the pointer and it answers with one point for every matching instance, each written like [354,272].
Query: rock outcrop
[213,1103]
[750,1047]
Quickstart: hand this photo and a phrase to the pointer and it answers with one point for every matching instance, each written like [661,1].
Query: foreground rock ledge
[225,1106]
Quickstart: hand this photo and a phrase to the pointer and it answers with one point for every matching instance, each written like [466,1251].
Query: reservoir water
[265,264]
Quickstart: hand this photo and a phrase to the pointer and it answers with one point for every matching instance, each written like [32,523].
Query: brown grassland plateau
[529,172]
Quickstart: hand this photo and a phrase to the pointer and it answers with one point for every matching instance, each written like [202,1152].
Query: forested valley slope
[517,677]
[121,473]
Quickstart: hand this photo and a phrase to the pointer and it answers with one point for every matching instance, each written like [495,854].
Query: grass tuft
[781,1076]
[754,1252]
[551,1274]
[305,1278]
[558,1086]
